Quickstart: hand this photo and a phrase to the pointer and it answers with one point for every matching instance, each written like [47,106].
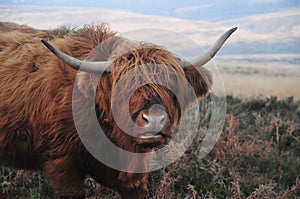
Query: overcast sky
[208,10]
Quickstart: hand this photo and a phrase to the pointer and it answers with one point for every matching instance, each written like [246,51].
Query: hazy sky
[208,10]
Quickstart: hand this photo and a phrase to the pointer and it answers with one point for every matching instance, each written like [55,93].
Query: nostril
[154,121]
[146,118]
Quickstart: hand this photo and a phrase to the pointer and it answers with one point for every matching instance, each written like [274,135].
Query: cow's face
[146,83]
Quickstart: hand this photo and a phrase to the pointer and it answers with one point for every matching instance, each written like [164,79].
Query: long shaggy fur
[37,130]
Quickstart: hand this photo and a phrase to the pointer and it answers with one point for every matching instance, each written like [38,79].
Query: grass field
[257,156]
[261,75]
[259,86]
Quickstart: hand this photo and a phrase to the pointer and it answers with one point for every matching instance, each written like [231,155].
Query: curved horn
[211,52]
[91,67]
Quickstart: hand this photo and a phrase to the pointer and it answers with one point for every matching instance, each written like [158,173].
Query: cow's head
[142,86]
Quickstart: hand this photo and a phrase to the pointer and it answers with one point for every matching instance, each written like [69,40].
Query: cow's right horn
[211,52]
[91,67]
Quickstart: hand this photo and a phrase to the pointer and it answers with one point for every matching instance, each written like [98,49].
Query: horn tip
[233,29]
[48,45]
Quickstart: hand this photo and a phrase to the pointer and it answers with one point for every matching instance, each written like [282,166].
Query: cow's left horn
[91,67]
[211,52]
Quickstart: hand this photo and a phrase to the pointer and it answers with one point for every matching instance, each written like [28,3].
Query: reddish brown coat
[37,130]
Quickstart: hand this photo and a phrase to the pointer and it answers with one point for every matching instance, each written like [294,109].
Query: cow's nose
[154,123]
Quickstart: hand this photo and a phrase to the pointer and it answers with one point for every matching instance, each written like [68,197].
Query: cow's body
[37,129]
[36,124]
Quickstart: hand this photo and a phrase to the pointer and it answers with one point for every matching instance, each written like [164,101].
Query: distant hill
[277,32]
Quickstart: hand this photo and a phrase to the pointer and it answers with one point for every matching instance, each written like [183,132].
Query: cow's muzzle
[154,122]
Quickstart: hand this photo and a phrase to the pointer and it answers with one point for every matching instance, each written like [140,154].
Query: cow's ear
[87,83]
[84,83]
[200,79]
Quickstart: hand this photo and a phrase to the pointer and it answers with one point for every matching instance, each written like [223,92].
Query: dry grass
[257,156]
[260,86]
[261,75]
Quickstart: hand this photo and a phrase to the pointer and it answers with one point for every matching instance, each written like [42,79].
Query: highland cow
[37,129]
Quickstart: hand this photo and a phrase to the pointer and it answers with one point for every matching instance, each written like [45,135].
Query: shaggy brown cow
[37,129]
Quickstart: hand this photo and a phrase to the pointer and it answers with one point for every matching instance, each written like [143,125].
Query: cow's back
[26,89]
[36,120]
